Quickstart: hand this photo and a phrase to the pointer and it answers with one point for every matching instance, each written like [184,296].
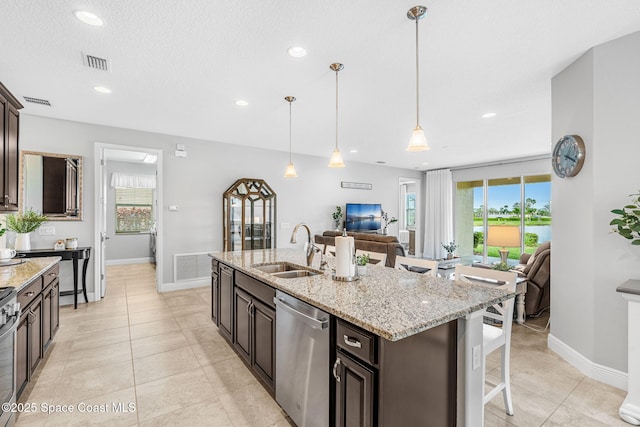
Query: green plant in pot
[450,248]
[23,223]
[361,263]
[627,224]
[337,218]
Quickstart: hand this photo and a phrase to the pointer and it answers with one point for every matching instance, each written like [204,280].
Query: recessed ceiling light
[102,89]
[242,103]
[381,162]
[88,18]
[353,151]
[297,51]
[488,115]
[425,164]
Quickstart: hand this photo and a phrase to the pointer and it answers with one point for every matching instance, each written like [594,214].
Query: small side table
[630,409]
[67,255]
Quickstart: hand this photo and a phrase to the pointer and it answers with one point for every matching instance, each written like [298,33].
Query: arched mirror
[52,184]
[249,212]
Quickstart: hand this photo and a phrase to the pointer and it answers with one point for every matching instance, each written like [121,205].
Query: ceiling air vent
[37,101]
[96,62]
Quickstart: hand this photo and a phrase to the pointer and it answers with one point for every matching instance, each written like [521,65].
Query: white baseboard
[126,261]
[598,372]
[187,284]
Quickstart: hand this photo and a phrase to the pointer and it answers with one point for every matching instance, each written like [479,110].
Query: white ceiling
[178,66]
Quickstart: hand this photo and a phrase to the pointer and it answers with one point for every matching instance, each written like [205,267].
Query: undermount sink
[285,270]
[291,274]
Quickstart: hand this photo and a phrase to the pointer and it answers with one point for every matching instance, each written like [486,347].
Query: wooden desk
[67,255]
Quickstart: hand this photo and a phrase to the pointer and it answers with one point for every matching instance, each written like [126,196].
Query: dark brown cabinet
[255,327]
[9,151]
[225,280]
[39,322]
[354,392]
[215,293]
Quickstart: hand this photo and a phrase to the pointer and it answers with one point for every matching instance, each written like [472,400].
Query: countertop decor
[390,303]
[627,224]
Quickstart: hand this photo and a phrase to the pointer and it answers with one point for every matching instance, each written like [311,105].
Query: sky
[501,195]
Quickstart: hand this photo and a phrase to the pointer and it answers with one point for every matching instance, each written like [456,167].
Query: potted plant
[23,224]
[502,266]
[628,221]
[337,218]
[387,221]
[361,264]
[450,248]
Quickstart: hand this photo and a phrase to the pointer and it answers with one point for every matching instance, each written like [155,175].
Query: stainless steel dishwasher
[302,361]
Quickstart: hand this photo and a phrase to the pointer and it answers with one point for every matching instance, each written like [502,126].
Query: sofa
[367,242]
[536,268]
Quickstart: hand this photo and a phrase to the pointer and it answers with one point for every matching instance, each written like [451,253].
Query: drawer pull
[30,294]
[53,275]
[352,342]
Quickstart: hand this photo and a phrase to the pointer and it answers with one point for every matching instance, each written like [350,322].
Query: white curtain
[124,180]
[438,224]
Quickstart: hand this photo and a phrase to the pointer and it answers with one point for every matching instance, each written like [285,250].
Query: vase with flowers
[387,221]
[23,223]
[450,248]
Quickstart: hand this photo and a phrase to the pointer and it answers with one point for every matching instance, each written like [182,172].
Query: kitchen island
[419,333]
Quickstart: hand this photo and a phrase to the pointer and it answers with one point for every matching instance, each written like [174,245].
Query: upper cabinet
[10,127]
[249,215]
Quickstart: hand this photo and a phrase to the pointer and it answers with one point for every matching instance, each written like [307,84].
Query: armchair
[536,268]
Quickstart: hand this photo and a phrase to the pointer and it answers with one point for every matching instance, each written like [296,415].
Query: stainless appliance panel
[9,318]
[302,361]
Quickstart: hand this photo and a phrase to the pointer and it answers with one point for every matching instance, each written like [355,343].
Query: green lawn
[493,251]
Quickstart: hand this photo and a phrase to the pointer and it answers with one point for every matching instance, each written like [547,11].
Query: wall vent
[96,62]
[192,266]
[37,101]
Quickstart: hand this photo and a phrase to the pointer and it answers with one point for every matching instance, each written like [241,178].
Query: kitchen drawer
[356,341]
[51,275]
[30,292]
[258,289]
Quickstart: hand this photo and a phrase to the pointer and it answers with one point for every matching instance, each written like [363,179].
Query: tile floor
[161,354]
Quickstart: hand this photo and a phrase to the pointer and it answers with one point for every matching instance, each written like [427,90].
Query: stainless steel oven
[9,318]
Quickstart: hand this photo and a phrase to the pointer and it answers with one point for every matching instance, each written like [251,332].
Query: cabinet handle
[31,317]
[6,201]
[52,275]
[335,369]
[30,294]
[352,342]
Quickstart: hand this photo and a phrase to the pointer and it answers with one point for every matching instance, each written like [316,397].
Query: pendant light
[291,170]
[336,157]
[417,142]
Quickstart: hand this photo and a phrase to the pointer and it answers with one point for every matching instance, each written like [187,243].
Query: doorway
[148,218]
[409,215]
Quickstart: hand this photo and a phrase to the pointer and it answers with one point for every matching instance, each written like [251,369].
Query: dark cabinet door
[35,333]
[55,307]
[354,393]
[215,298]
[225,280]
[46,317]
[242,323]
[264,340]
[12,160]
[22,352]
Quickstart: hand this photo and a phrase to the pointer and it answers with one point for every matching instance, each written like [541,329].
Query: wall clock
[568,156]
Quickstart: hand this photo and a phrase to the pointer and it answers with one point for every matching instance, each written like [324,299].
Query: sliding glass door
[508,215]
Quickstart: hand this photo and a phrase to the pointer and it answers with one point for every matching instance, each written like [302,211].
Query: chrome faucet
[311,248]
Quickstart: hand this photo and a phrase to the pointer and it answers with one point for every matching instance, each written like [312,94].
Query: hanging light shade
[336,157]
[291,170]
[417,142]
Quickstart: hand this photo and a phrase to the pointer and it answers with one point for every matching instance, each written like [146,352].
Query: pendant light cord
[417,79]
[337,109]
[289,131]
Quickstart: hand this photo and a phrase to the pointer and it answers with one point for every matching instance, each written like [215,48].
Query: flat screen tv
[363,217]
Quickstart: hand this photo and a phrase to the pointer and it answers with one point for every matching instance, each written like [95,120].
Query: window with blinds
[134,210]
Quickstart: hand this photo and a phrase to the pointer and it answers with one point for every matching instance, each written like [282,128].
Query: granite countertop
[390,303]
[18,276]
